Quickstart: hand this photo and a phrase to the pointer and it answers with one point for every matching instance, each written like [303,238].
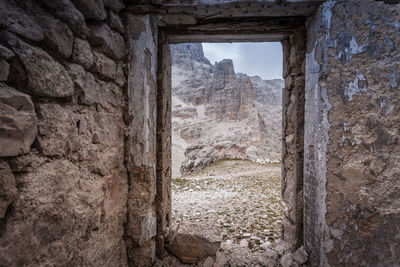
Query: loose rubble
[241,199]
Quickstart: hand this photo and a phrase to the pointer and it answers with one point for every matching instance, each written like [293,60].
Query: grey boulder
[193,243]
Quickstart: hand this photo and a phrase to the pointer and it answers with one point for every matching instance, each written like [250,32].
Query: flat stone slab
[193,243]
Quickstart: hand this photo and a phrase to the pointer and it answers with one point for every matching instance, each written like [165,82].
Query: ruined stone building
[85,118]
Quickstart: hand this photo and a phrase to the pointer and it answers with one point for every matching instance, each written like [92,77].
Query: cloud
[262,59]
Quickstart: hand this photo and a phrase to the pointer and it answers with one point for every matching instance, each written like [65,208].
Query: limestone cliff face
[186,55]
[224,73]
[218,113]
[230,95]
[268,103]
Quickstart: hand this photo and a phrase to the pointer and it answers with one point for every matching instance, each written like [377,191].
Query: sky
[262,59]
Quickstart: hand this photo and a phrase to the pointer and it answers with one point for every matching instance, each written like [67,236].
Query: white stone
[209,262]
[265,245]
[244,243]
[286,260]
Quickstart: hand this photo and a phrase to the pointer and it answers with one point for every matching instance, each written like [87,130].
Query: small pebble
[244,243]
[265,245]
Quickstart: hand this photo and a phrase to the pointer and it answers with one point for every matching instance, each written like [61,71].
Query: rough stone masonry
[85,97]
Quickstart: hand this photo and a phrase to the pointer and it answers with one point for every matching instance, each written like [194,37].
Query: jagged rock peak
[185,54]
[224,72]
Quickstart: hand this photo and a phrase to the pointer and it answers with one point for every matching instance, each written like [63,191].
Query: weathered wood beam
[225,9]
[235,29]
[254,24]
[227,38]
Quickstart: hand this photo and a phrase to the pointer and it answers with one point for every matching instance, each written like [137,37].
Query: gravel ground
[241,198]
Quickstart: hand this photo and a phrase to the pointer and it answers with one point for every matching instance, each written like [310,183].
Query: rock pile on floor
[296,259]
[240,198]
[277,255]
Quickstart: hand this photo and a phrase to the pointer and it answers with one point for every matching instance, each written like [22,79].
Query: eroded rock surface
[199,156]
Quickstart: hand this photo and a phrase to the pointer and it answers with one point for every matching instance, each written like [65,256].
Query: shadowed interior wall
[352,207]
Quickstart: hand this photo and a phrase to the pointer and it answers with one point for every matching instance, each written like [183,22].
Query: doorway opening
[226,143]
[292,39]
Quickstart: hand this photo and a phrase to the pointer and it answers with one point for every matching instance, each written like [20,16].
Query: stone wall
[352,210]
[63,181]
[78,135]
[293,136]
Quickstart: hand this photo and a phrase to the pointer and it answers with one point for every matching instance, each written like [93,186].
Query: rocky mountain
[218,113]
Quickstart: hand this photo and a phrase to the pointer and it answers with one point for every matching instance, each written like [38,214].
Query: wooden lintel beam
[250,26]
[253,23]
[230,9]
[226,38]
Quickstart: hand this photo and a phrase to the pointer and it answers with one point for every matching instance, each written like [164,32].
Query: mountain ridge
[218,113]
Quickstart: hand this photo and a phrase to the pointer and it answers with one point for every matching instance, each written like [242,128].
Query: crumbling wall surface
[141,227]
[293,99]
[316,234]
[352,149]
[63,184]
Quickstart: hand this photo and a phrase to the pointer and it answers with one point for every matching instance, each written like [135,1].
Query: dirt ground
[240,198]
